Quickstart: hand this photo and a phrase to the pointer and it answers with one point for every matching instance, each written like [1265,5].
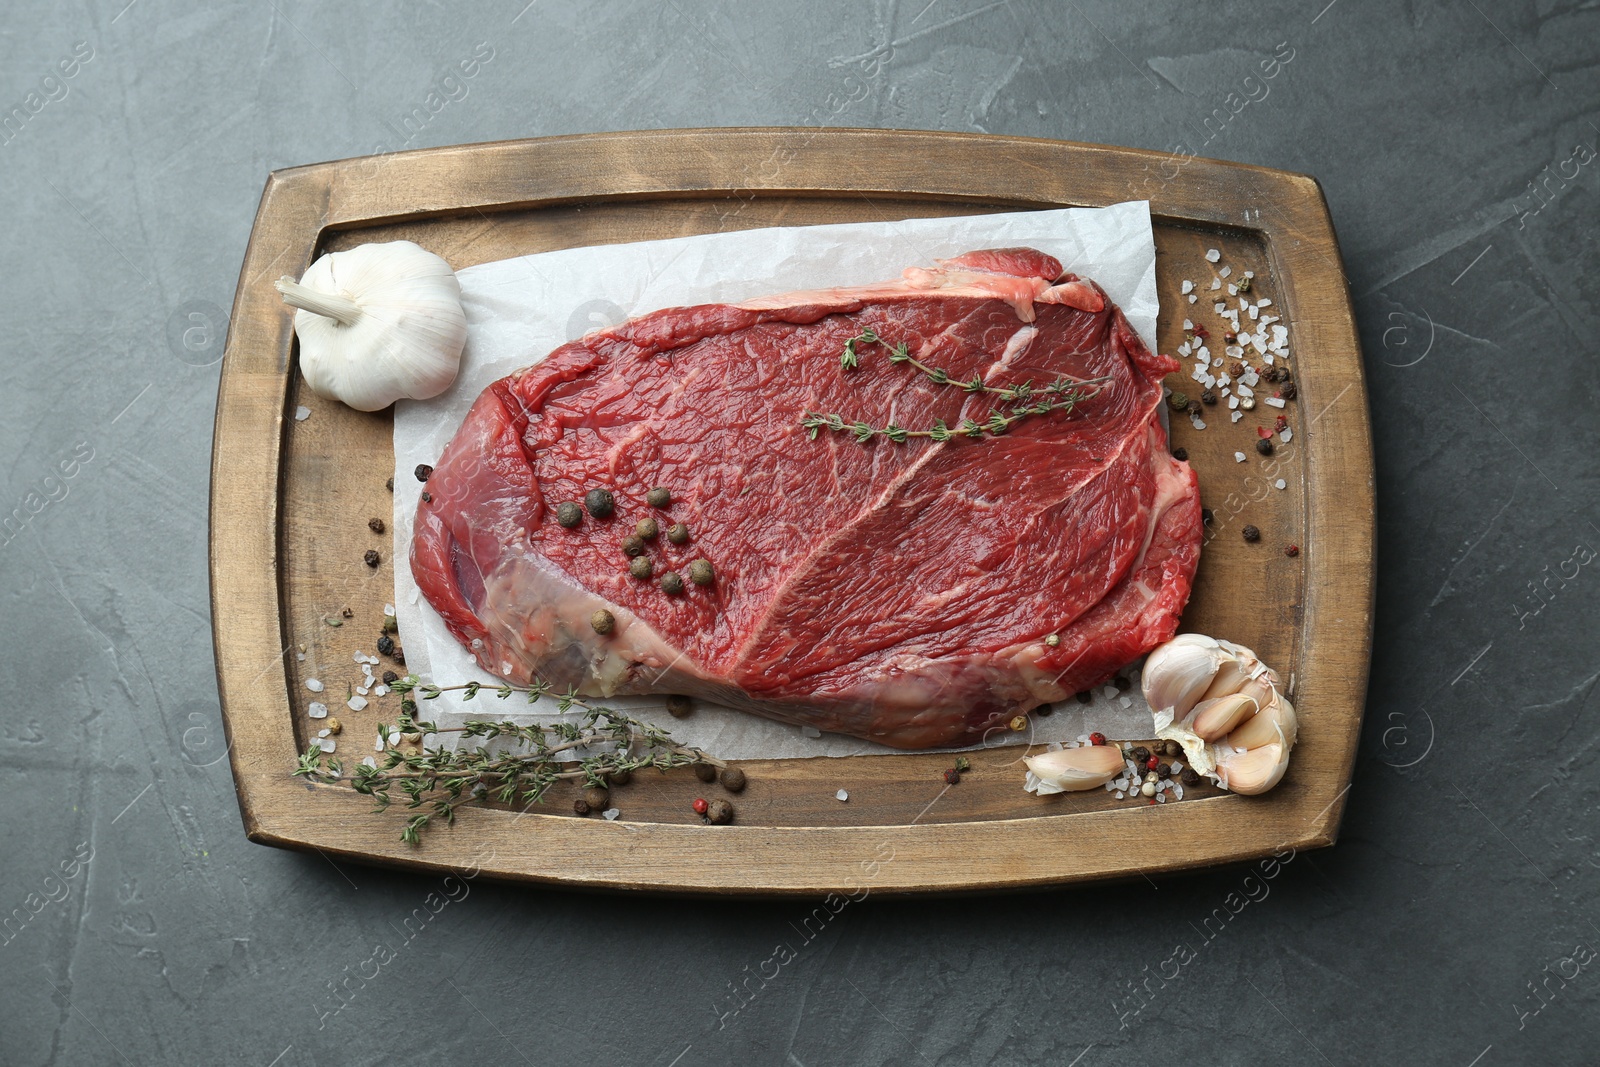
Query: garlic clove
[1255,771]
[1070,769]
[1274,723]
[1216,718]
[1231,676]
[1177,673]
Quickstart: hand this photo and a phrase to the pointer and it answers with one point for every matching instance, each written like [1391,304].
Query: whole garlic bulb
[1222,704]
[378,323]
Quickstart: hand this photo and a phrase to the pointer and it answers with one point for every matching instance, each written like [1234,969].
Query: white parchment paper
[519,310]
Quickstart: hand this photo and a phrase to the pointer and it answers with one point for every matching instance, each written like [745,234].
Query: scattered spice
[700,572]
[1122,682]
[1264,446]
[671,583]
[385,645]
[427,497]
[569,514]
[648,529]
[1189,776]
[641,568]
[679,707]
[1173,749]
[1164,769]
[700,806]
[1247,404]
[376,525]
[391,625]
[633,545]
[580,807]
[658,497]
[963,764]
[1141,755]
[1206,516]
[1097,738]
[389,484]
[332,725]
[347,613]
[1054,640]
[1083,697]
[423,472]
[1251,534]
[732,779]
[1148,789]
[952,777]
[1208,398]
[390,677]
[1152,763]
[1019,723]
[1180,454]
[1291,551]
[371,557]
[1288,392]
[1243,284]
[719,812]
[619,776]
[678,533]
[1178,401]
[705,772]
[600,502]
[603,622]
[597,797]
[1236,369]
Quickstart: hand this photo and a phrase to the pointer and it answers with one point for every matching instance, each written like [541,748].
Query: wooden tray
[290,501]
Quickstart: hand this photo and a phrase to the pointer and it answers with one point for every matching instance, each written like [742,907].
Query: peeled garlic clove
[1071,769]
[1274,723]
[1255,771]
[1176,674]
[1216,718]
[1230,678]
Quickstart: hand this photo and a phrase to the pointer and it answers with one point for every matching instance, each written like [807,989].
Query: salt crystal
[1233,290]
[322,733]
[1187,325]
[610,814]
[317,711]
[378,744]
[1225,271]
[1199,425]
[841,795]
[1249,274]
[327,744]
[1121,795]
[302,413]
[1184,349]
[1251,378]
[1125,701]
[368,761]
[1192,298]
[810,731]
[1219,308]
[1188,287]
[1238,457]
[381,690]
[313,684]
[1216,283]
[1244,390]
[1177,791]
[1161,798]
[360,657]
[1203,352]
[1233,402]
[1268,357]
[388,609]
[1234,351]
[394,737]
[356,703]
[1275,401]
[1263,303]
[1255,313]
[1223,379]
[1237,415]
[1176,766]
[1280,334]
[1213,255]
[1109,692]
[1286,435]
[1281,484]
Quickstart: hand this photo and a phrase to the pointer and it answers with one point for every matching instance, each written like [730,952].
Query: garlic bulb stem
[341,309]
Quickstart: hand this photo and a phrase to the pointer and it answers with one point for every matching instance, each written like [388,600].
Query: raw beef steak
[915,593]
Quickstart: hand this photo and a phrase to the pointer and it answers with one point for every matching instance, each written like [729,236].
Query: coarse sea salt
[1281,484]
[317,710]
[1192,298]
[1286,435]
[610,814]
[302,413]
[1238,457]
[1219,308]
[327,744]
[380,690]
[1109,692]
[314,684]
[841,796]
[1275,401]
[356,703]
[1212,255]
[1237,415]
[1188,286]
[1216,283]
[1225,271]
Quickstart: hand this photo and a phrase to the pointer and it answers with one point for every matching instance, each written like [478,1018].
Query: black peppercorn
[719,813]
[641,568]
[1251,534]
[952,777]
[389,677]
[700,572]
[371,557]
[603,622]
[579,807]
[1180,454]
[678,533]
[389,484]
[732,779]
[1044,711]
[1208,398]
[1264,446]
[408,706]
[1122,683]
[569,514]
[1173,749]
[679,707]
[399,656]
[1206,516]
[427,497]
[1164,769]
[1141,755]
[647,529]
[671,583]
[600,503]
[386,645]
[1084,697]
[1189,776]
[1288,392]
[597,798]
[705,772]
[423,472]
[633,545]
[658,497]
[376,526]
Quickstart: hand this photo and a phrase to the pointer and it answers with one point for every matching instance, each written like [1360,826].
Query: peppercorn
[1122,683]
[1288,392]
[1054,640]
[1148,789]
[388,484]
[679,706]
[700,572]
[1152,763]
[963,764]
[1097,738]
[332,725]
[399,656]
[603,622]
[678,533]
[732,779]
[647,529]
[633,545]
[427,497]
[1173,749]
[1264,446]
[671,583]
[408,706]
[641,568]
[1243,285]
[600,503]
[1206,515]
[1247,403]
[1178,401]
[391,625]
[1164,769]
[1208,398]
[719,812]
[658,497]
[1141,755]
[1018,723]
[597,797]
[952,777]
[1236,369]
[1291,551]
[1189,776]
[1083,697]
[1230,336]
[423,472]
[619,776]
[385,645]
[579,807]
[371,557]
[1180,454]
[1044,711]
[706,772]
[1251,534]
[376,525]
[700,806]
[569,514]
[389,677]
[347,613]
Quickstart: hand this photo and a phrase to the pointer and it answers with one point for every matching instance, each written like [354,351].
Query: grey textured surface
[1456,921]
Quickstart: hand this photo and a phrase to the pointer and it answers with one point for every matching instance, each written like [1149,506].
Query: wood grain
[291,500]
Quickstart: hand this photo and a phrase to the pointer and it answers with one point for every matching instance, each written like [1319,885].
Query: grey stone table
[1455,922]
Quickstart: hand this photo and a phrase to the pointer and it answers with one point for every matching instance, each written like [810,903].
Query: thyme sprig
[539,755]
[1063,394]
